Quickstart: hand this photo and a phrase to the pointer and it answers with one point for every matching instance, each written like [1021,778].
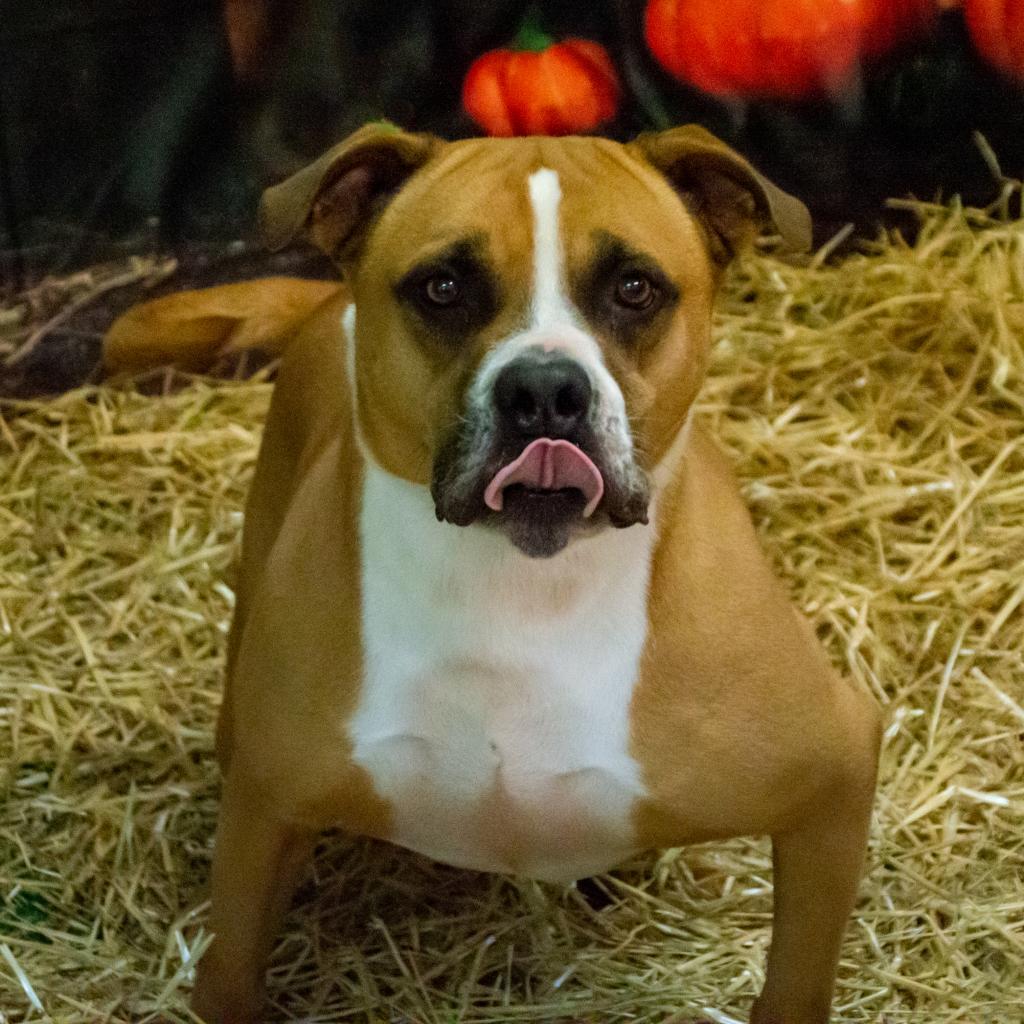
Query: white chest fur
[494,714]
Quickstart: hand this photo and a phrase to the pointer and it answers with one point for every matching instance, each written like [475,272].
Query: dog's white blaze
[550,303]
[554,323]
[494,712]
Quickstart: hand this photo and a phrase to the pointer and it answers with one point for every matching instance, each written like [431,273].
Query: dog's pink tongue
[547,465]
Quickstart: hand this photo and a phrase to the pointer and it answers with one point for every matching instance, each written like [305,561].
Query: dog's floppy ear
[332,200]
[723,190]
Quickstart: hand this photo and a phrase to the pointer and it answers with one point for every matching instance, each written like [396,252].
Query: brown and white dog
[500,600]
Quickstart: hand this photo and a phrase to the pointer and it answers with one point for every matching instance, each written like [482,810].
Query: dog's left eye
[635,290]
[442,290]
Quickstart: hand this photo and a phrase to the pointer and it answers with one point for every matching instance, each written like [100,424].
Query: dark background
[125,126]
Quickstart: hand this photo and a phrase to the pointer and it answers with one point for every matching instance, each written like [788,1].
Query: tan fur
[738,723]
[195,329]
[407,394]
[308,433]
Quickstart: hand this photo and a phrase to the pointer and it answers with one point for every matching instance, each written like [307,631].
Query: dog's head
[531,317]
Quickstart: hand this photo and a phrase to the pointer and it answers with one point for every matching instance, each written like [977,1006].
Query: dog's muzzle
[538,458]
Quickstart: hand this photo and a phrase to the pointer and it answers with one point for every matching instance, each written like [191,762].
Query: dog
[500,600]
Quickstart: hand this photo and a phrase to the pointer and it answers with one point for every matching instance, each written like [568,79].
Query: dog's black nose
[543,397]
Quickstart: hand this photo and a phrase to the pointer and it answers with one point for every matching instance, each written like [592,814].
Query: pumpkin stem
[531,36]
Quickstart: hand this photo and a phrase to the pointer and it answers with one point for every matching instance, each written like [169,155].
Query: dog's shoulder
[310,409]
[312,392]
[311,406]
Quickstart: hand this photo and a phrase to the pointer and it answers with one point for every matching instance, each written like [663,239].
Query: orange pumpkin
[997,29]
[788,49]
[542,88]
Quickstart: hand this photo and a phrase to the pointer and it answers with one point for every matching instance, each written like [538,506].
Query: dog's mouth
[546,469]
[540,495]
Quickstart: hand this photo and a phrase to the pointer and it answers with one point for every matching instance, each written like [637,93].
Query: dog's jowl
[500,600]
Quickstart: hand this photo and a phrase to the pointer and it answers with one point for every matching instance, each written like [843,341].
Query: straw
[874,407]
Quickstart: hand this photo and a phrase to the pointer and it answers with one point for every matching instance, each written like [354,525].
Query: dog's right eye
[452,295]
[442,290]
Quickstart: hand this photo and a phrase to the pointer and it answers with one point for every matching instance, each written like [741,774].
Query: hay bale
[875,409]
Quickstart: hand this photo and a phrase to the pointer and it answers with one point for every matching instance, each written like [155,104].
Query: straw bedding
[875,409]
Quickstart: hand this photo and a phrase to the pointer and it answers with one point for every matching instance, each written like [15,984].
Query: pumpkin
[788,49]
[542,87]
[997,30]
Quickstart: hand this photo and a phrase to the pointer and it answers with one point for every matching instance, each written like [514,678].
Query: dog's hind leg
[258,862]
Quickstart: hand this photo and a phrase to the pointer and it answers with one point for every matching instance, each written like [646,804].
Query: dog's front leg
[258,862]
[817,869]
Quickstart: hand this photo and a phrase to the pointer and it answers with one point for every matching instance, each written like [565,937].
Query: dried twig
[143,271]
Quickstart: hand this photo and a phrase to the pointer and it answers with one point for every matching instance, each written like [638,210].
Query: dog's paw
[213,1003]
